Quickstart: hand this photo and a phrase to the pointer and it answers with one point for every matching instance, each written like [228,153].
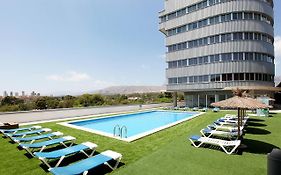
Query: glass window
[226,57]
[257,36]
[237,16]
[241,76]
[225,18]
[192,8]
[218,77]
[183,63]
[214,58]
[226,37]
[259,77]
[247,76]
[264,38]
[182,80]
[200,60]
[237,56]
[173,80]
[257,16]
[213,78]
[195,79]
[200,78]
[206,78]
[229,77]
[214,20]
[249,56]
[172,16]
[248,15]
[206,59]
[192,61]
[252,76]
[181,12]
[236,76]
[191,80]
[238,36]
[248,36]
[224,77]
[258,57]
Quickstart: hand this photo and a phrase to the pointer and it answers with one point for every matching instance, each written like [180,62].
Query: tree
[41,103]
[11,101]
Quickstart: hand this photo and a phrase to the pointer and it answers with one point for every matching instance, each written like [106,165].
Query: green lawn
[166,152]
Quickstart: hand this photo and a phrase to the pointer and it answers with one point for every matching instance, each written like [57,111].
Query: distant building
[22,93]
[217,44]
[16,94]
[11,93]
[33,94]
[5,94]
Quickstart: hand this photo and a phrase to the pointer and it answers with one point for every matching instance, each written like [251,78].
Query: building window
[214,58]
[226,57]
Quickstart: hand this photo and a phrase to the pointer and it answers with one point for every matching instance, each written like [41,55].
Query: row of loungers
[37,138]
[222,133]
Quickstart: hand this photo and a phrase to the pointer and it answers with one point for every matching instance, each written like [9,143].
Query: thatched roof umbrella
[240,102]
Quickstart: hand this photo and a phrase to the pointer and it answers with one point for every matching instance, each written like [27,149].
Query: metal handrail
[121,132]
[114,131]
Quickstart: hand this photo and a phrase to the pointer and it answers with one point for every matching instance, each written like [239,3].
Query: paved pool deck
[41,116]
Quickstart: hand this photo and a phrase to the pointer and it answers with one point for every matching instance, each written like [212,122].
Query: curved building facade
[215,44]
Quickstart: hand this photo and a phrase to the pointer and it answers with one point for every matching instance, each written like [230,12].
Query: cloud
[70,76]
[277,46]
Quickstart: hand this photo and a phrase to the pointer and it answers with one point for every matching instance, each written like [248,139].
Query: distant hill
[277,80]
[130,89]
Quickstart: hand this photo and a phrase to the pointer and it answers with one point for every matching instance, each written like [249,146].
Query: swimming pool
[129,127]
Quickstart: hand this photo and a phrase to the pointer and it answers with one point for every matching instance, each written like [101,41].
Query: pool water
[137,124]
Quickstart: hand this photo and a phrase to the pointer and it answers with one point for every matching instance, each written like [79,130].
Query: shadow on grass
[258,131]
[255,120]
[255,124]
[258,147]
[100,170]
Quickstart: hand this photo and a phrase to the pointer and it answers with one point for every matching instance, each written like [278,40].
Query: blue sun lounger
[60,154]
[42,145]
[3,131]
[23,134]
[83,166]
[38,137]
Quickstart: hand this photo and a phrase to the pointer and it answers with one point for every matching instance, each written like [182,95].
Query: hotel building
[216,45]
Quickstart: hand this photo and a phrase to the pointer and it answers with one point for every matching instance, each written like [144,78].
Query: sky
[71,46]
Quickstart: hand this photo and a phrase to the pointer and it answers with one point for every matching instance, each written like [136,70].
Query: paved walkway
[40,116]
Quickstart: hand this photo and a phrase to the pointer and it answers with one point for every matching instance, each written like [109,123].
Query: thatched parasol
[240,102]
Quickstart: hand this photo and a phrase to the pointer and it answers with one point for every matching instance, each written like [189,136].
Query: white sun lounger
[42,145]
[227,146]
[83,166]
[60,154]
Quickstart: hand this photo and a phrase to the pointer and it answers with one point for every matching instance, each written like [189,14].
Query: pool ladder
[120,132]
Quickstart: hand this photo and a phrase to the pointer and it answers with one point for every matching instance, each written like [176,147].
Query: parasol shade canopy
[240,102]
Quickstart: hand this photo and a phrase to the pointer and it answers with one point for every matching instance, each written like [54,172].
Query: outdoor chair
[206,132]
[4,131]
[23,134]
[60,154]
[83,166]
[38,137]
[227,146]
[42,145]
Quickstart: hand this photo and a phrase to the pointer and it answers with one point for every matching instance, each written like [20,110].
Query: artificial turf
[165,152]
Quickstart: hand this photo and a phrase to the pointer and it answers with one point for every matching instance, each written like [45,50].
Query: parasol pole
[239,113]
